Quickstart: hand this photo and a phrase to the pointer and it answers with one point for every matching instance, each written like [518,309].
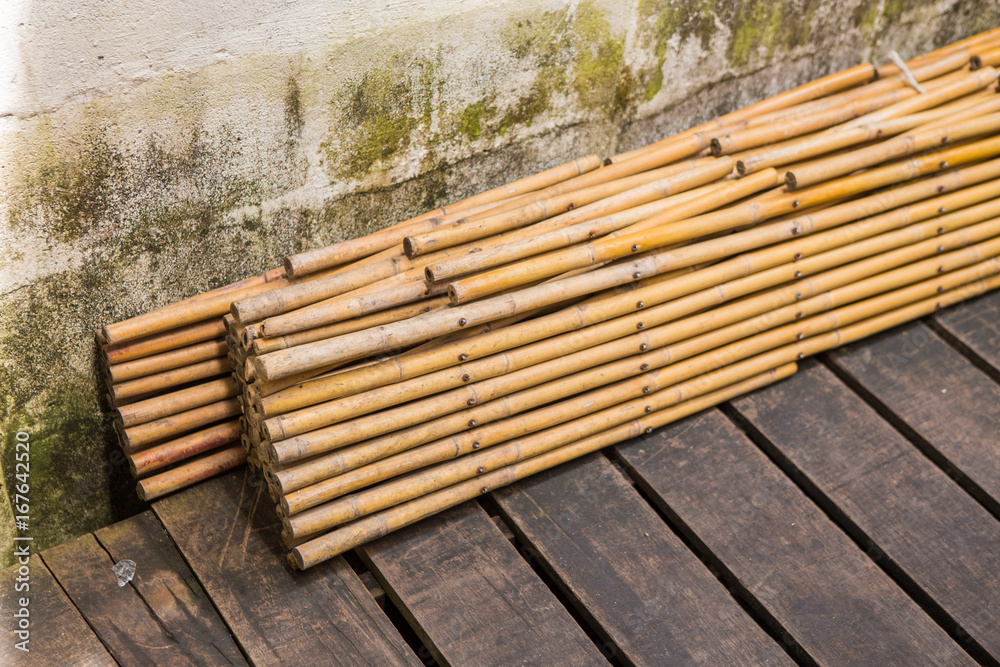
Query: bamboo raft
[380,380]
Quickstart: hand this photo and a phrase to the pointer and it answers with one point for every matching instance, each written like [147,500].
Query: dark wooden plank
[817,585]
[472,598]
[118,614]
[906,508]
[975,324]
[58,635]
[943,402]
[622,566]
[228,532]
[168,588]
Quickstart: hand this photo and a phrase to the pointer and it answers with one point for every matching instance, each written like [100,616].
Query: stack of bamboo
[389,377]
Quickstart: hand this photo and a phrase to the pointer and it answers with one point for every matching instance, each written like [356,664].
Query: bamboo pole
[144,386]
[169,340]
[314,260]
[906,144]
[423,327]
[165,361]
[136,437]
[567,236]
[475,466]
[358,428]
[305,488]
[190,473]
[615,246]
[147,461]
[182,400]
[585,202]
[448,237]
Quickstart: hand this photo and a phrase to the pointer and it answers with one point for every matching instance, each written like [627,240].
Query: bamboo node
[798,274]
[635,247]
[639,304]
[637,275]
[570,206]
[941,209]
[470,402]
[795,204]
[643,347]
[472,422]
[646,390]
[480,470]
[940,269]
[801,355]
[644,367]
[940,248]
[463,357]
[798,255]
[798,295]
[640,325]
[940,288]
[937,305]
[795,230]
[940,230]
[942,164]
[800,335]
[466,377]
[941,188]
[649,408]
[649,429]
[462,322]
[798,315]
[476,445]
[483,490]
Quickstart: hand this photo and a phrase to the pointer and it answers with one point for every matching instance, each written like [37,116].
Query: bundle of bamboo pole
[382,379]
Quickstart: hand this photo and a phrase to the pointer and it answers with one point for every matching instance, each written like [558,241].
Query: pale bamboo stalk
[622,244]
[365,530]
[182,400]
[727,193]
[450,353]
[808,91]
[823,334]
[172,378]
[787,129]
[591,354]
[147,461]
[705,172]
[781,254]
[305,487]
[394,492]
[266,345]
[190,473]
[144,434]
[906,144]
[424,327]
[347,251]
[165,361]
[306,293]
[169,340]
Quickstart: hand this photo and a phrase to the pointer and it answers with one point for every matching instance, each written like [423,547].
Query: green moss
[293,108]
[653,84]
[473,117]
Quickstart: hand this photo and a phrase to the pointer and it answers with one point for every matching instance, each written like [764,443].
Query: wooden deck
[846,515]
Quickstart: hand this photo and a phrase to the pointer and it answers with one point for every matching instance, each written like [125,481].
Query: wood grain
[976,324]
[119,615]
[228,533]
[911,514]
[815,583]
[472,598]
[58,633]
[167,586]
[943,401]
[620,564]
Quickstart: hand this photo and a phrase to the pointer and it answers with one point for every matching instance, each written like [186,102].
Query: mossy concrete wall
[149,151]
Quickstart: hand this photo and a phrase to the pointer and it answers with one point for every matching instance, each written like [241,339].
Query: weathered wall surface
[149,151]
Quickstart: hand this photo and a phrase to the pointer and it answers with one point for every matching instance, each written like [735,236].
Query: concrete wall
[152,150]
